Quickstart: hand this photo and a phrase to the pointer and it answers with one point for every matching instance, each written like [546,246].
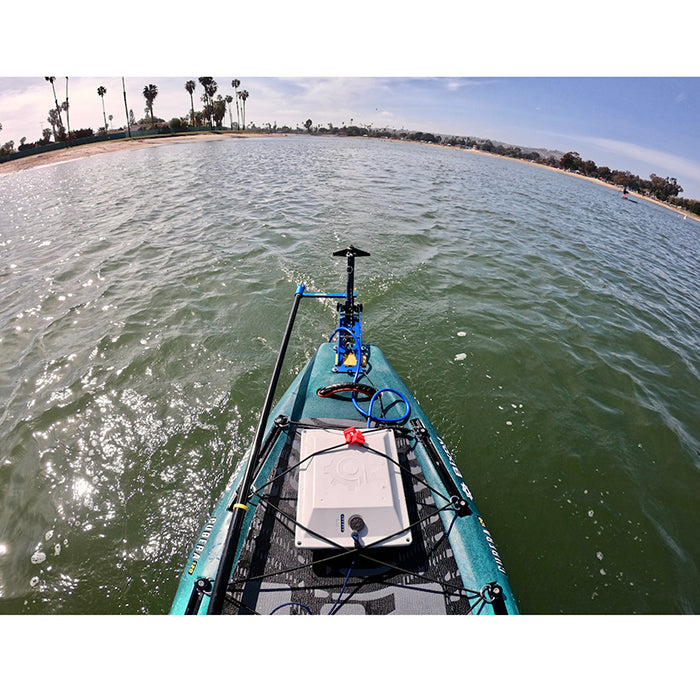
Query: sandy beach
[632,195]
[93,149]
[85,151]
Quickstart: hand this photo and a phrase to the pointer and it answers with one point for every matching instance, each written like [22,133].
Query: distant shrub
[82,133]
[176,124]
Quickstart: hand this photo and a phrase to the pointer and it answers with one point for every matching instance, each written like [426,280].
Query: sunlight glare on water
[549,328]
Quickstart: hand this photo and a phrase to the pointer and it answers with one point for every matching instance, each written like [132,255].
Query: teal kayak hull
[474,549]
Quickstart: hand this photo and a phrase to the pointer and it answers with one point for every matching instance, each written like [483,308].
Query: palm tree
[229,99]
[244,96]
[65,106]
[150,92]
[211,89]
[190,85]
[53,120]
[219,111]
[101,92]
[235,83]
[55,99]
[127,110]
[205,82]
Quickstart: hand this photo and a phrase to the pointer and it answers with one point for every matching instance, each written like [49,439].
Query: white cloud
[667,162]
[323,100]
[454,84]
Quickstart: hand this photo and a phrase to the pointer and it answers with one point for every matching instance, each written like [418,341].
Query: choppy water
[549,328]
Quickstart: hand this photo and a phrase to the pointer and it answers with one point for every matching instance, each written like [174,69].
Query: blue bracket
[345,348]
[347,330]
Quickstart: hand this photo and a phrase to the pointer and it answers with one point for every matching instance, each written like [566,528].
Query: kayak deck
[324,518]
[273,575]
[451,565]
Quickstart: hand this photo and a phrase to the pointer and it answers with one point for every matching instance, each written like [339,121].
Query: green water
[549,328]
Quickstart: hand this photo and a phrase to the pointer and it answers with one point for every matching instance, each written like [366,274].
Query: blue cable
[357,348]
[342,590]
[347,330]
[284,605]
[369,415]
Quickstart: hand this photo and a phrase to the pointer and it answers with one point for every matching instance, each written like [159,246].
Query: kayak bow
[347,501]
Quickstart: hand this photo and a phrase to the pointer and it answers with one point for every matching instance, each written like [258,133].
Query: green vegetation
[660,188]
[215,107]
[102,91]
[150,92]
[664,189]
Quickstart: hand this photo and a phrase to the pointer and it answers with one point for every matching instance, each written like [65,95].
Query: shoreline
[87,150]
[631,195]
[135,142]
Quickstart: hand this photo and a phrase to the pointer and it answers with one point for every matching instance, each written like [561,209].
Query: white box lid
[345,480]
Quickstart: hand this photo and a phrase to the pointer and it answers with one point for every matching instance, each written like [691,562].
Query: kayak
[347,502]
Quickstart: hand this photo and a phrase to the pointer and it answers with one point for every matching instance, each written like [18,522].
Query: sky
[617,82]
[645,125]
[623,92]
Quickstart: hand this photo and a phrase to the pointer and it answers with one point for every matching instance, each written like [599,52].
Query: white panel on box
[347,480]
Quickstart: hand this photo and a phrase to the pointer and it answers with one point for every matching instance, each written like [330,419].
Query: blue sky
[645,125]
[644,122]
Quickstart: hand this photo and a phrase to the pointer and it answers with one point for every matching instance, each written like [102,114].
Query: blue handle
[332,295]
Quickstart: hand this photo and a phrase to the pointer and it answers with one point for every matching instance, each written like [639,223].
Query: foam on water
[552,336]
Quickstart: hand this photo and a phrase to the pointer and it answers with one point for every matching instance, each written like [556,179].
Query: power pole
[126,108]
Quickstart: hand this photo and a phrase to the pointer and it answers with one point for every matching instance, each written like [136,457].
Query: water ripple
[551,333]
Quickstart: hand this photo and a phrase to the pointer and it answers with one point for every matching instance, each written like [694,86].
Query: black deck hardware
[278,427]
[200,587]
[495,598]
[460,503]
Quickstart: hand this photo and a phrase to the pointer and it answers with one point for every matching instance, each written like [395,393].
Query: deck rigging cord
[352,358]
[404,432]
[481,598]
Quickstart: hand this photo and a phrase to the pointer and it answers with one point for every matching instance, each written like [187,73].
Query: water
[549,328]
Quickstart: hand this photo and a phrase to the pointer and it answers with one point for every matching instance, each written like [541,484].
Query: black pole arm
[223,574]
[350,253]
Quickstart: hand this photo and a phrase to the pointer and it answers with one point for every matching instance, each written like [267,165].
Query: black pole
[350,292]
[350,253]
[126,109]
[223,574]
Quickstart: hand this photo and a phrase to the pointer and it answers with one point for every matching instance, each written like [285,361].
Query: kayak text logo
[201,543]
[492,546]
[456,471]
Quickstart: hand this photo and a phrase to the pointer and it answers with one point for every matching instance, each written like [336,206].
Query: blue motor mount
[349,330]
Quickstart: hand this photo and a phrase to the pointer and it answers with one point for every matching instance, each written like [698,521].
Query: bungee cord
[360,553]
[259,561]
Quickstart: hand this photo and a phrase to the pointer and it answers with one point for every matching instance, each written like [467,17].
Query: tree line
[215,108]
[665,189]
[213,113]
